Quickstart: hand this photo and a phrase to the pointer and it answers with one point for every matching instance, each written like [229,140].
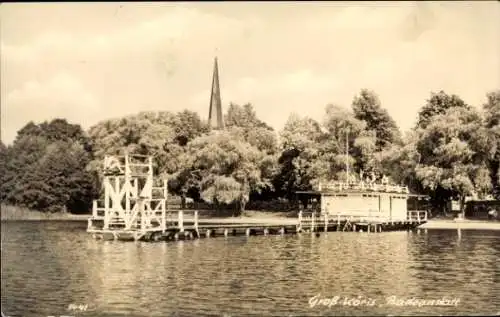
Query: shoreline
[13,213]
[466,224]
[9,213]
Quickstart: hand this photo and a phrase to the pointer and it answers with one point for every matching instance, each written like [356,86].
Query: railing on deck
[98,210]
[183,217]
[313,219]
[354,215]
[362,186]
[417,215]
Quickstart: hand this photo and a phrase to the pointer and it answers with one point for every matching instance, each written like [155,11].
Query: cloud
[303,81]
[62,96]
[281,60]
[148,37]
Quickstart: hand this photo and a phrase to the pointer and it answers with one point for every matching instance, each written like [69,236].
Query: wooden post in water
[266,231]
[196,222]
[312,222]
[326,222]
[107,211]
[247,232]
[226,232]
[126,186]
[163,215]
[300,220]
[181,221]
[207,233]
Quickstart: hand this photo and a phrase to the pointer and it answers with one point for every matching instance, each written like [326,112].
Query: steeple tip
[215,116]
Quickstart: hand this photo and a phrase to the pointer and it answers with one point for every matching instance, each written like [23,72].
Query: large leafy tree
[44,168]
[230,166]
[3,169]
[55,130]
[60,181]
[454,148]
[20,160]
[346,141]
[367,107]
[492,123]
[163,135]
[437,104]
[223,168]
[187,126]
[244,117]
[257,133]
[399,161]
[301,162]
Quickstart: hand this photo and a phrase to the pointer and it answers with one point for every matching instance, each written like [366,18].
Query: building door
[385,205]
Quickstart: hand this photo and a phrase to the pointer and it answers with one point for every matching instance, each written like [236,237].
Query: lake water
[51,268]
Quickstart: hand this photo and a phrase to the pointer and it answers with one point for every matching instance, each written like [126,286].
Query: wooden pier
[134,207]
[186,225]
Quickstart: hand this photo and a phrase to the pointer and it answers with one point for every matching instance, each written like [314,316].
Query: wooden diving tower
[132,206]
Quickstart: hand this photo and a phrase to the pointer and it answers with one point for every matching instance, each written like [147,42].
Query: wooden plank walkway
[191,227]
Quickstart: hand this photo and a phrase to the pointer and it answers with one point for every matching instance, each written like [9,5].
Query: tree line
[453,151]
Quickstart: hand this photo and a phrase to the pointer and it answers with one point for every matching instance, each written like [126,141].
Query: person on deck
[492,214]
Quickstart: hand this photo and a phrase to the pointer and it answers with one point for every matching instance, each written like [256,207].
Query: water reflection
[461,264]
[274,275]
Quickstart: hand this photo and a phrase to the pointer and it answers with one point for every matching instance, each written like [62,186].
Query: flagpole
[347,154]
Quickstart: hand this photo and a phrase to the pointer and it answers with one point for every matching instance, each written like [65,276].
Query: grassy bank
[10,213]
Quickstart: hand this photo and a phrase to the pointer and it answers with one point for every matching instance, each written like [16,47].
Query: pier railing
[417,215]
[361,186]
[313,219]
[182,218]
[98,210]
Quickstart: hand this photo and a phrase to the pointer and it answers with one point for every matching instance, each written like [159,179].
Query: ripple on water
[258,276]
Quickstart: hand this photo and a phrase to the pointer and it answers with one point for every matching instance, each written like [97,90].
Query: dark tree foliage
[244,117]
[492,122]
[367,107]
[188,126]
[56,130]
[45,168]
[437,104]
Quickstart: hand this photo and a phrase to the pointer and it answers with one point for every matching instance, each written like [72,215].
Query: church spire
[215,116]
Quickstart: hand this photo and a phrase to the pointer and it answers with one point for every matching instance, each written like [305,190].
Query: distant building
[479,209]
[215,115]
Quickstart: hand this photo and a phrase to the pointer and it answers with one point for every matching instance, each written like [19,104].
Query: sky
[88,62]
